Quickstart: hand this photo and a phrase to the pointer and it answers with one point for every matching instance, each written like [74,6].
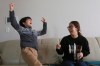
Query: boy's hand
[43,19]
[11,6]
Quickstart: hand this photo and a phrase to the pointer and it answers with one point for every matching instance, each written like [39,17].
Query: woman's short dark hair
[23,20]
[77,25]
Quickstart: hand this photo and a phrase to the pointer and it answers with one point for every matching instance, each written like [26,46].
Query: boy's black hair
[23,20]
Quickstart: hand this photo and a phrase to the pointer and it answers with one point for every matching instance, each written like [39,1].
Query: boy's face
[28,23]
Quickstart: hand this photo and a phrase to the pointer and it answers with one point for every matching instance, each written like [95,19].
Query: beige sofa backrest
[10,51]
[94,50]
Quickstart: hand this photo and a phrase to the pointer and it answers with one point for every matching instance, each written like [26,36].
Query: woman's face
[28,23]
[72,29]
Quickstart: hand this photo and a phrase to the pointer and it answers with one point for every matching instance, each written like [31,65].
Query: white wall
[58,14]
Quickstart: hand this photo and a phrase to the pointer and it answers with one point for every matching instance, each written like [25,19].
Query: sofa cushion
[10,53]
[94,50]
[98,40]
[47,51]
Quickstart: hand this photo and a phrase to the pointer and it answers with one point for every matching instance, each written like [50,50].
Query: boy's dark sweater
[28,37]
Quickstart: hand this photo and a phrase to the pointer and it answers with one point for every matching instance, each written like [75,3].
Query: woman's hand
[43,19]
[11,6]
[79,55]
[58,46]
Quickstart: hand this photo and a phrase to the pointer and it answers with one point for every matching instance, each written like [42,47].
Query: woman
[74,46]
[28,37]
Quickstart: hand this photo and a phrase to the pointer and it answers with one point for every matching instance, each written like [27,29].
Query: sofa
[11,56]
